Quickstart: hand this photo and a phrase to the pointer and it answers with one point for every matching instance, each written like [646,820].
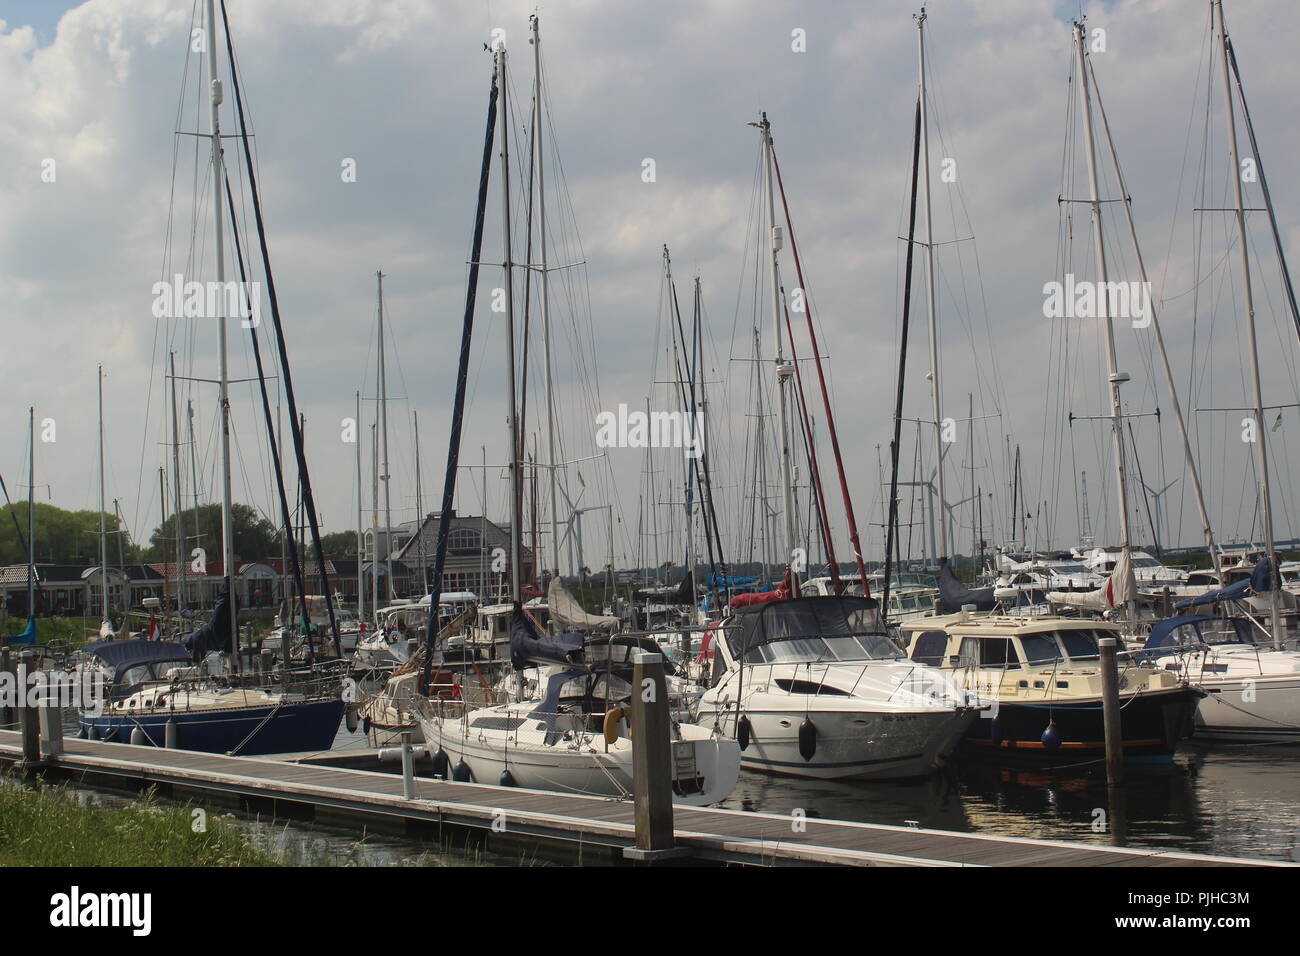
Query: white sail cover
[568,613]
[1119,589]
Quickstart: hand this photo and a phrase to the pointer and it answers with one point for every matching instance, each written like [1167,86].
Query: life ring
[612,717]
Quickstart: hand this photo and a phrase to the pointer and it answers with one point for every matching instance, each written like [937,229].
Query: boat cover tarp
[953,594]
[685,591]
[781,620]
[213,636]
[566,610]
[527,646]
[1119,589]
[1259,582]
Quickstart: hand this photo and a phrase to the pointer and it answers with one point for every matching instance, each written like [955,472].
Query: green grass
[50,826]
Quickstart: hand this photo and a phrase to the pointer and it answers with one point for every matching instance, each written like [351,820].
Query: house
[478,555]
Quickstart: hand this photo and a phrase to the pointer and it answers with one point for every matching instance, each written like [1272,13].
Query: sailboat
[573,735]
[211,706]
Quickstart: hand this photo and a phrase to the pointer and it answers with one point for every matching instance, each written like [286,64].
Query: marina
[553,440]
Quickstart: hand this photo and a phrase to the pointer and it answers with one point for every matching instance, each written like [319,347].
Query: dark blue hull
[291,728]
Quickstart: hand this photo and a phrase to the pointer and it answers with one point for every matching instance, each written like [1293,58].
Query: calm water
[1226,800]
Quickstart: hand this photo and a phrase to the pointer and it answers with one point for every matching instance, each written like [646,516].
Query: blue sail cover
[1259,582]
[529,647]
[953,594]
[116,653]
[28,636]
[213,636]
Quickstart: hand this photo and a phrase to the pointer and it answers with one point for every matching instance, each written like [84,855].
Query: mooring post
[6,667]
[29,713]
[408,767]
[1114,736]
[51,726]
[652,762]
[686,645]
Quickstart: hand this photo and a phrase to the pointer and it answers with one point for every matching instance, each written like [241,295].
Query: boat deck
[590,829]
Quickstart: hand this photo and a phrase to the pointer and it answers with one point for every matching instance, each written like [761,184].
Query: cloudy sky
[107,91]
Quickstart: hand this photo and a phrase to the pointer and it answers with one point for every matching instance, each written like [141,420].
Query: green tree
[339,544]
[62,537]
[255,537]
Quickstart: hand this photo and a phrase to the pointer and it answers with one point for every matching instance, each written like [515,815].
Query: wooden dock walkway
[553,825]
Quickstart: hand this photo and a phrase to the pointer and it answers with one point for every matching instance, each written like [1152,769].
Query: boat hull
[1251,710]
[590,768]
[1152,723]
[288,728]
[862,745]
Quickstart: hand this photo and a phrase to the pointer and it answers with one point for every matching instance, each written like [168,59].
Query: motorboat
[1043,676]
[814,687]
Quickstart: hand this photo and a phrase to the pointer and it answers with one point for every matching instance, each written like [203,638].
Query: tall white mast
[31,512]
[783,369]
[1261,452]
[218,179]
[374,521]
[176,478]
[1115,377]
[383,433]
[103,540]
[419,510]
[928,245]
[538,156]
[516,537]
[361,554]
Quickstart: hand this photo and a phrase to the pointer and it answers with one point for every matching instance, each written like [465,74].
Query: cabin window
[987,652]
[1040,649]
[808,687]
[1080,644]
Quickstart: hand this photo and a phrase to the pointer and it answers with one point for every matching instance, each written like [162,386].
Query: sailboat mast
[1261,452]
[374,521]
[103,540]
[218,178]
[783,370]
[419,509]
[512,416]
[383,434]
[176,480]
[1188,458]
[1115,377]
[361,555]
[928,245]
[31,512]
[538,156]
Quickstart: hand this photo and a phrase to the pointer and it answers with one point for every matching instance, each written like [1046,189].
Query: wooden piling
[652,792]
[1114,735]
[29,714]
[6,667]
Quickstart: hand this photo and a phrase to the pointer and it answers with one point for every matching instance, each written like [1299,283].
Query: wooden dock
[545,825]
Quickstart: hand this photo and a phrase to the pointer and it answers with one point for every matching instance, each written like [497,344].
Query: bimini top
[1259,582]
[116,653]
[834,616]
[1176,634]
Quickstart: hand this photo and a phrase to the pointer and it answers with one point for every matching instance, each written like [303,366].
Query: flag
[153,627]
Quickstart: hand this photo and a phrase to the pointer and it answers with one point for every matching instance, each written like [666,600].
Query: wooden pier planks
[714,834]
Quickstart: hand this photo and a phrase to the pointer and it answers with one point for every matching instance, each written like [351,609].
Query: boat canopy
[781,620]
[1176,634]
[116,653]
[1259,582]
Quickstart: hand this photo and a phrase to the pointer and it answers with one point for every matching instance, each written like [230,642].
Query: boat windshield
[1052,646]
[799,650]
